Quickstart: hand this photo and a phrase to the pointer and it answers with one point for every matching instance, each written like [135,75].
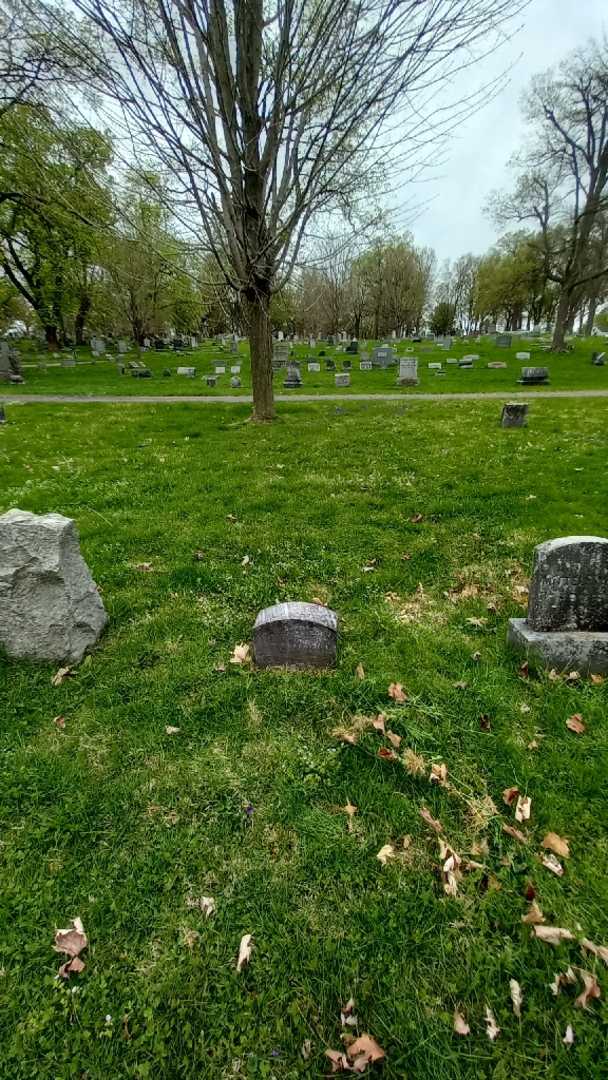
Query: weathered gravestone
[598,359]
[68,361]
[295,635]
[123,346]
[220,369]
[234,345]
[567,623]
[347,365]
[383,356]
[522,355]
[434,365]
[280,355]
[365,365]
[534,376]
[465,363]
[342,378]
[514,414]
[452,360]
[503,341]
[211,380]
[235,382]
[313,366]
[353,347]
[49,605]
[293,379]
[235,369]
[408,372]
[189,372]
[497,364]
[330,365]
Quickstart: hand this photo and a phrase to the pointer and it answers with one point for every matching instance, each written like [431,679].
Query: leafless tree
[267,115]
[563,186]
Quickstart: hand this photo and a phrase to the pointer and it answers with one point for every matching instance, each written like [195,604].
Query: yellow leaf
[241,654]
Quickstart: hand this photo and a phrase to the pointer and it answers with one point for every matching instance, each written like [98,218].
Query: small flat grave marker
[295,635]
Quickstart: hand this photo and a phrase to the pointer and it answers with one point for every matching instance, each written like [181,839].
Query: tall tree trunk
[558,343]
[260,343]
[52,337]
[591,316]
[81,315]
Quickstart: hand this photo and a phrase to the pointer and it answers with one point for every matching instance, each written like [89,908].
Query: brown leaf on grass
[460,1025]
[171,730]
[363,1052]
[414,763]
[59,722]
[338,1059]
[61,675]
[590,990]
[241,654]
[534,916]
[460,685]
[575,723]
[529,891]
[378,723]
[562,978]
[351,811]
[347,736]
[439,774]
[509,795]
[347,1014]
[429,820]
[517,834]
[198,556]
[397,693]
[387,754]
[523,807]
[71,967]
[395,740]
[476,656]
[231,517]
[597,680]
[406,556]
[360,672]
[568,1038]
[552,935]
[450,868]
[478,623]
[516,997]
[219,669]
[144,567]
[245,948]
[492,1028]
[485,723]
[524,670]
[572,676]
[557,844]
[597,950]
[550,862]
[416,519]
[385,854]
[71,940]
[206,904]
[306,1049]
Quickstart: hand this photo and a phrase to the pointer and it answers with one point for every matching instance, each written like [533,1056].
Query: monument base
[565,650]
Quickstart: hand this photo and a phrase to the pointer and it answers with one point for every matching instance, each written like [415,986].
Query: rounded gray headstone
[514,414]
[50,608]
[295,635]
[569,587]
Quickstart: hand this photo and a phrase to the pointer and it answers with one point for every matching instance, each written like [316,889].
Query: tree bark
[591,316]
[81,315]
[52,337]
[558,343]
[260,343]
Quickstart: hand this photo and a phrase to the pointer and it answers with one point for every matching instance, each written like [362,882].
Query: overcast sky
[453,222]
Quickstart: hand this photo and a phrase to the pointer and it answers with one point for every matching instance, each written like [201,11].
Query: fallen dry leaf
[524,670]
[562,978]
[170,730]
[144,567]
[516,997]
[388,755]
[363,1052]
[245,560]
[244,951]
[460,1025]
[241,654]
[59,722]
[397,693]
[385,854]
[492,1028]
[450,868]
[360,672]
[522,808]
[575,723]
[351,811]
[477,623]
[206,904]
[432,822]
[550,862]
[395,740]
[590,990]
[556,843]
[71,967]
[517,834]
[534,916]
[568,1038]
[439,774]
[552,935]
[306,1049]
[476,656]
[339,1060]
[61,675]
[509,795]
[597,680]
[460,685]
[378,723]
[485,723]
[347,1014]
[414,763]
[71,940]
[572,676]
[597,950]
[416,519]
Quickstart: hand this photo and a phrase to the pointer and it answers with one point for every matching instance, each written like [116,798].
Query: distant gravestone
[497,364]
[280,355]
[295,635]
[235,369]
[383,356]
[188,372]
[347,365]
[465,363]
[522,355]
[452,360]
[220,369]
[234,345]
[342,378]
[330,364]
[235,382]
[293,379]
[598,359]
[313,366]
[353,347]
[147,343]
[408,371]
[534,376]
[50,608]
[503,341]
[123,346]
[434,365]
[365,365]
[211,380]
[68,361]
[567,623]
[514,414]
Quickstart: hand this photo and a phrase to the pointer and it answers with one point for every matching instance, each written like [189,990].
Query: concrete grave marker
[50,608]
[189,372]
[514,414]
[408,372]
[534,376]
[342,378]
[365,365]
[220,369]
[313,366]
[235,382]
[503,341]
[522,355]
[567,623]
[235,369]
[295,635]
[293,379]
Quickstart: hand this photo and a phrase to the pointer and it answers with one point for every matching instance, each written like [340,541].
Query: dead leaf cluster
[71,941]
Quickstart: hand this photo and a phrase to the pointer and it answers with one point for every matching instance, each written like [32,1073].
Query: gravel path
[243,399]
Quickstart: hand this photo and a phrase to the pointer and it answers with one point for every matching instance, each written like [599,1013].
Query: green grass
[115,821]
[569,371]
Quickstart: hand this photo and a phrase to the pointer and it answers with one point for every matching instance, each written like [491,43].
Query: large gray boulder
[50,608]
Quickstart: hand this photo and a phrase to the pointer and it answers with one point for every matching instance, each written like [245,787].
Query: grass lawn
[570,371]
[111,819]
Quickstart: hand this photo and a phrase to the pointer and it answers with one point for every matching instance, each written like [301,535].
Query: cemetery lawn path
[159,772]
